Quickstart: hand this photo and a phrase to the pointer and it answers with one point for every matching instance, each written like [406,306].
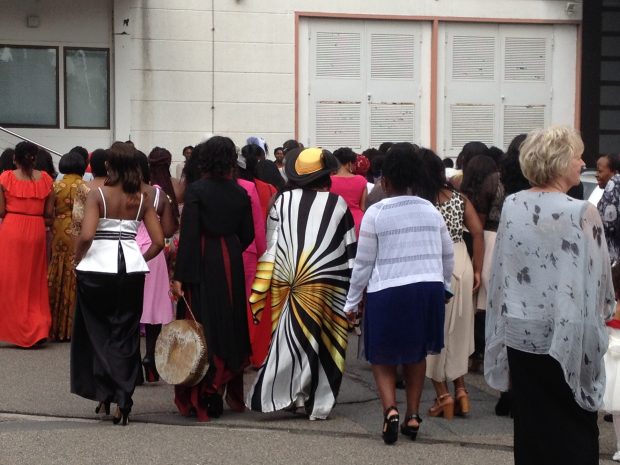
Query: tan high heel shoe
[462,402]
[443,407]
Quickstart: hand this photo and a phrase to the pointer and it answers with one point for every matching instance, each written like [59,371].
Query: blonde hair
[545,154]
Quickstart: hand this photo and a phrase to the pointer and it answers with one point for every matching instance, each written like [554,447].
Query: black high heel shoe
[105,405]
[411,431]
[215,405]
[121,415]
[390,425]
[150,371]
[503,408]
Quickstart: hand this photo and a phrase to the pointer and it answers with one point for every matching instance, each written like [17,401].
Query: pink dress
[157,307]
[351,190]
[260,344]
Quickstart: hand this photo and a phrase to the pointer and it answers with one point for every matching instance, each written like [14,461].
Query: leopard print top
[453,212]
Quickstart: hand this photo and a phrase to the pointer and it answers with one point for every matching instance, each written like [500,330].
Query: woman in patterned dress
[608,177]
[458,212]
[310,250]
[99,171]
[60,275]
[550,292]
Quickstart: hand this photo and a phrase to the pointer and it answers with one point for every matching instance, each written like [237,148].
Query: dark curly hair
[399,166]
[469,151]
[475,173]
[6,160]
[26,155]
[44,162]
[613,161]
[191,171]
[72,163]
[251,154]
[496,154]
[124,169]
[216,157]
[345,155]
[97,163]
[159,164]
[143,161]
[510,169]
[430,176]
[385,146]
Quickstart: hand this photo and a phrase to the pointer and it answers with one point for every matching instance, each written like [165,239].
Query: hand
[176,287]
[477,281]
[352,317]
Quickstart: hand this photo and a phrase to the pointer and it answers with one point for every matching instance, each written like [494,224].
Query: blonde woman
[550,293]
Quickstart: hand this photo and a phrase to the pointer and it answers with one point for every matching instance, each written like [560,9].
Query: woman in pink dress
[351,187]
[157,307]
[259,335]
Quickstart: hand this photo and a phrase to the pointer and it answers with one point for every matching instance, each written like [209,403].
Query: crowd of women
[280,260]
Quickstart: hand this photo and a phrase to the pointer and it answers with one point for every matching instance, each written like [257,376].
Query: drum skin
[181,353]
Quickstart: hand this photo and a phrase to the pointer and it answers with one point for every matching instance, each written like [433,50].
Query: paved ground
[41,422]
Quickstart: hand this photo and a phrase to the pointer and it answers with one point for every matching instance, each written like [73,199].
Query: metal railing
[29,140]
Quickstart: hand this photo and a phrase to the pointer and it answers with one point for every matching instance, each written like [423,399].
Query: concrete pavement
[41,422]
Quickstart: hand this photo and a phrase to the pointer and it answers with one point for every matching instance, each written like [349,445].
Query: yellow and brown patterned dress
[60,277]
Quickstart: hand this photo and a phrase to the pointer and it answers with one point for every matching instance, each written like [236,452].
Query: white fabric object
[452,362]
[403,240]
[611,399]
[102,256]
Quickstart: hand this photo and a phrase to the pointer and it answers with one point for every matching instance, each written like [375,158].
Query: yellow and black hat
[302,166]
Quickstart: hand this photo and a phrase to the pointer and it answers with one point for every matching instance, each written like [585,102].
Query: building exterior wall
[188,68]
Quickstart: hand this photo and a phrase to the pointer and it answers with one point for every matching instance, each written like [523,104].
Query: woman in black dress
[216,227]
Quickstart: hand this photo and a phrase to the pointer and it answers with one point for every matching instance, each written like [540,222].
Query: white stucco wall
[168,73]
[248,73]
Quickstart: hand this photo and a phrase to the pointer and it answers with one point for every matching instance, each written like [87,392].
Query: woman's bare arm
[155,233]
[473,224]
[89,225]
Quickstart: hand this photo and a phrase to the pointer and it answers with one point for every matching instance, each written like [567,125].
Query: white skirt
[452,362]
[611,399]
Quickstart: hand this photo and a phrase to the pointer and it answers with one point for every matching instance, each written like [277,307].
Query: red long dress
[25,316]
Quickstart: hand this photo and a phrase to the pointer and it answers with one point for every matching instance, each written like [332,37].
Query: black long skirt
[105,346]
[550,427]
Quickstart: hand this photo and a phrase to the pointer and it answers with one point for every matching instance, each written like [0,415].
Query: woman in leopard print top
[458,212]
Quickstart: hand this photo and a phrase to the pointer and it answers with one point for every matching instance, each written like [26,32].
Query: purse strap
[189,308]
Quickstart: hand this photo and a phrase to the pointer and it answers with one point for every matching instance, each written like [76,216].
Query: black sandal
[411,431]
[390,426]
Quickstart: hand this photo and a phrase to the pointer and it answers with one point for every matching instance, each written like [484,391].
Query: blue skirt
[404,324]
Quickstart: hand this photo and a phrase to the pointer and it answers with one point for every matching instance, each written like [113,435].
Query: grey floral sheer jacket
[550,291]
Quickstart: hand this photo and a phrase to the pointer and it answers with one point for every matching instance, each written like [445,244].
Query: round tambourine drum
[181,353]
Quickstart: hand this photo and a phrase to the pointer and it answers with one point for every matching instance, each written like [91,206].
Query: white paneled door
[496,83]
[364,83]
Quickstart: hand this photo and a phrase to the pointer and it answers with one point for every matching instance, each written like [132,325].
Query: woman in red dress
[351,187]
[26,207]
